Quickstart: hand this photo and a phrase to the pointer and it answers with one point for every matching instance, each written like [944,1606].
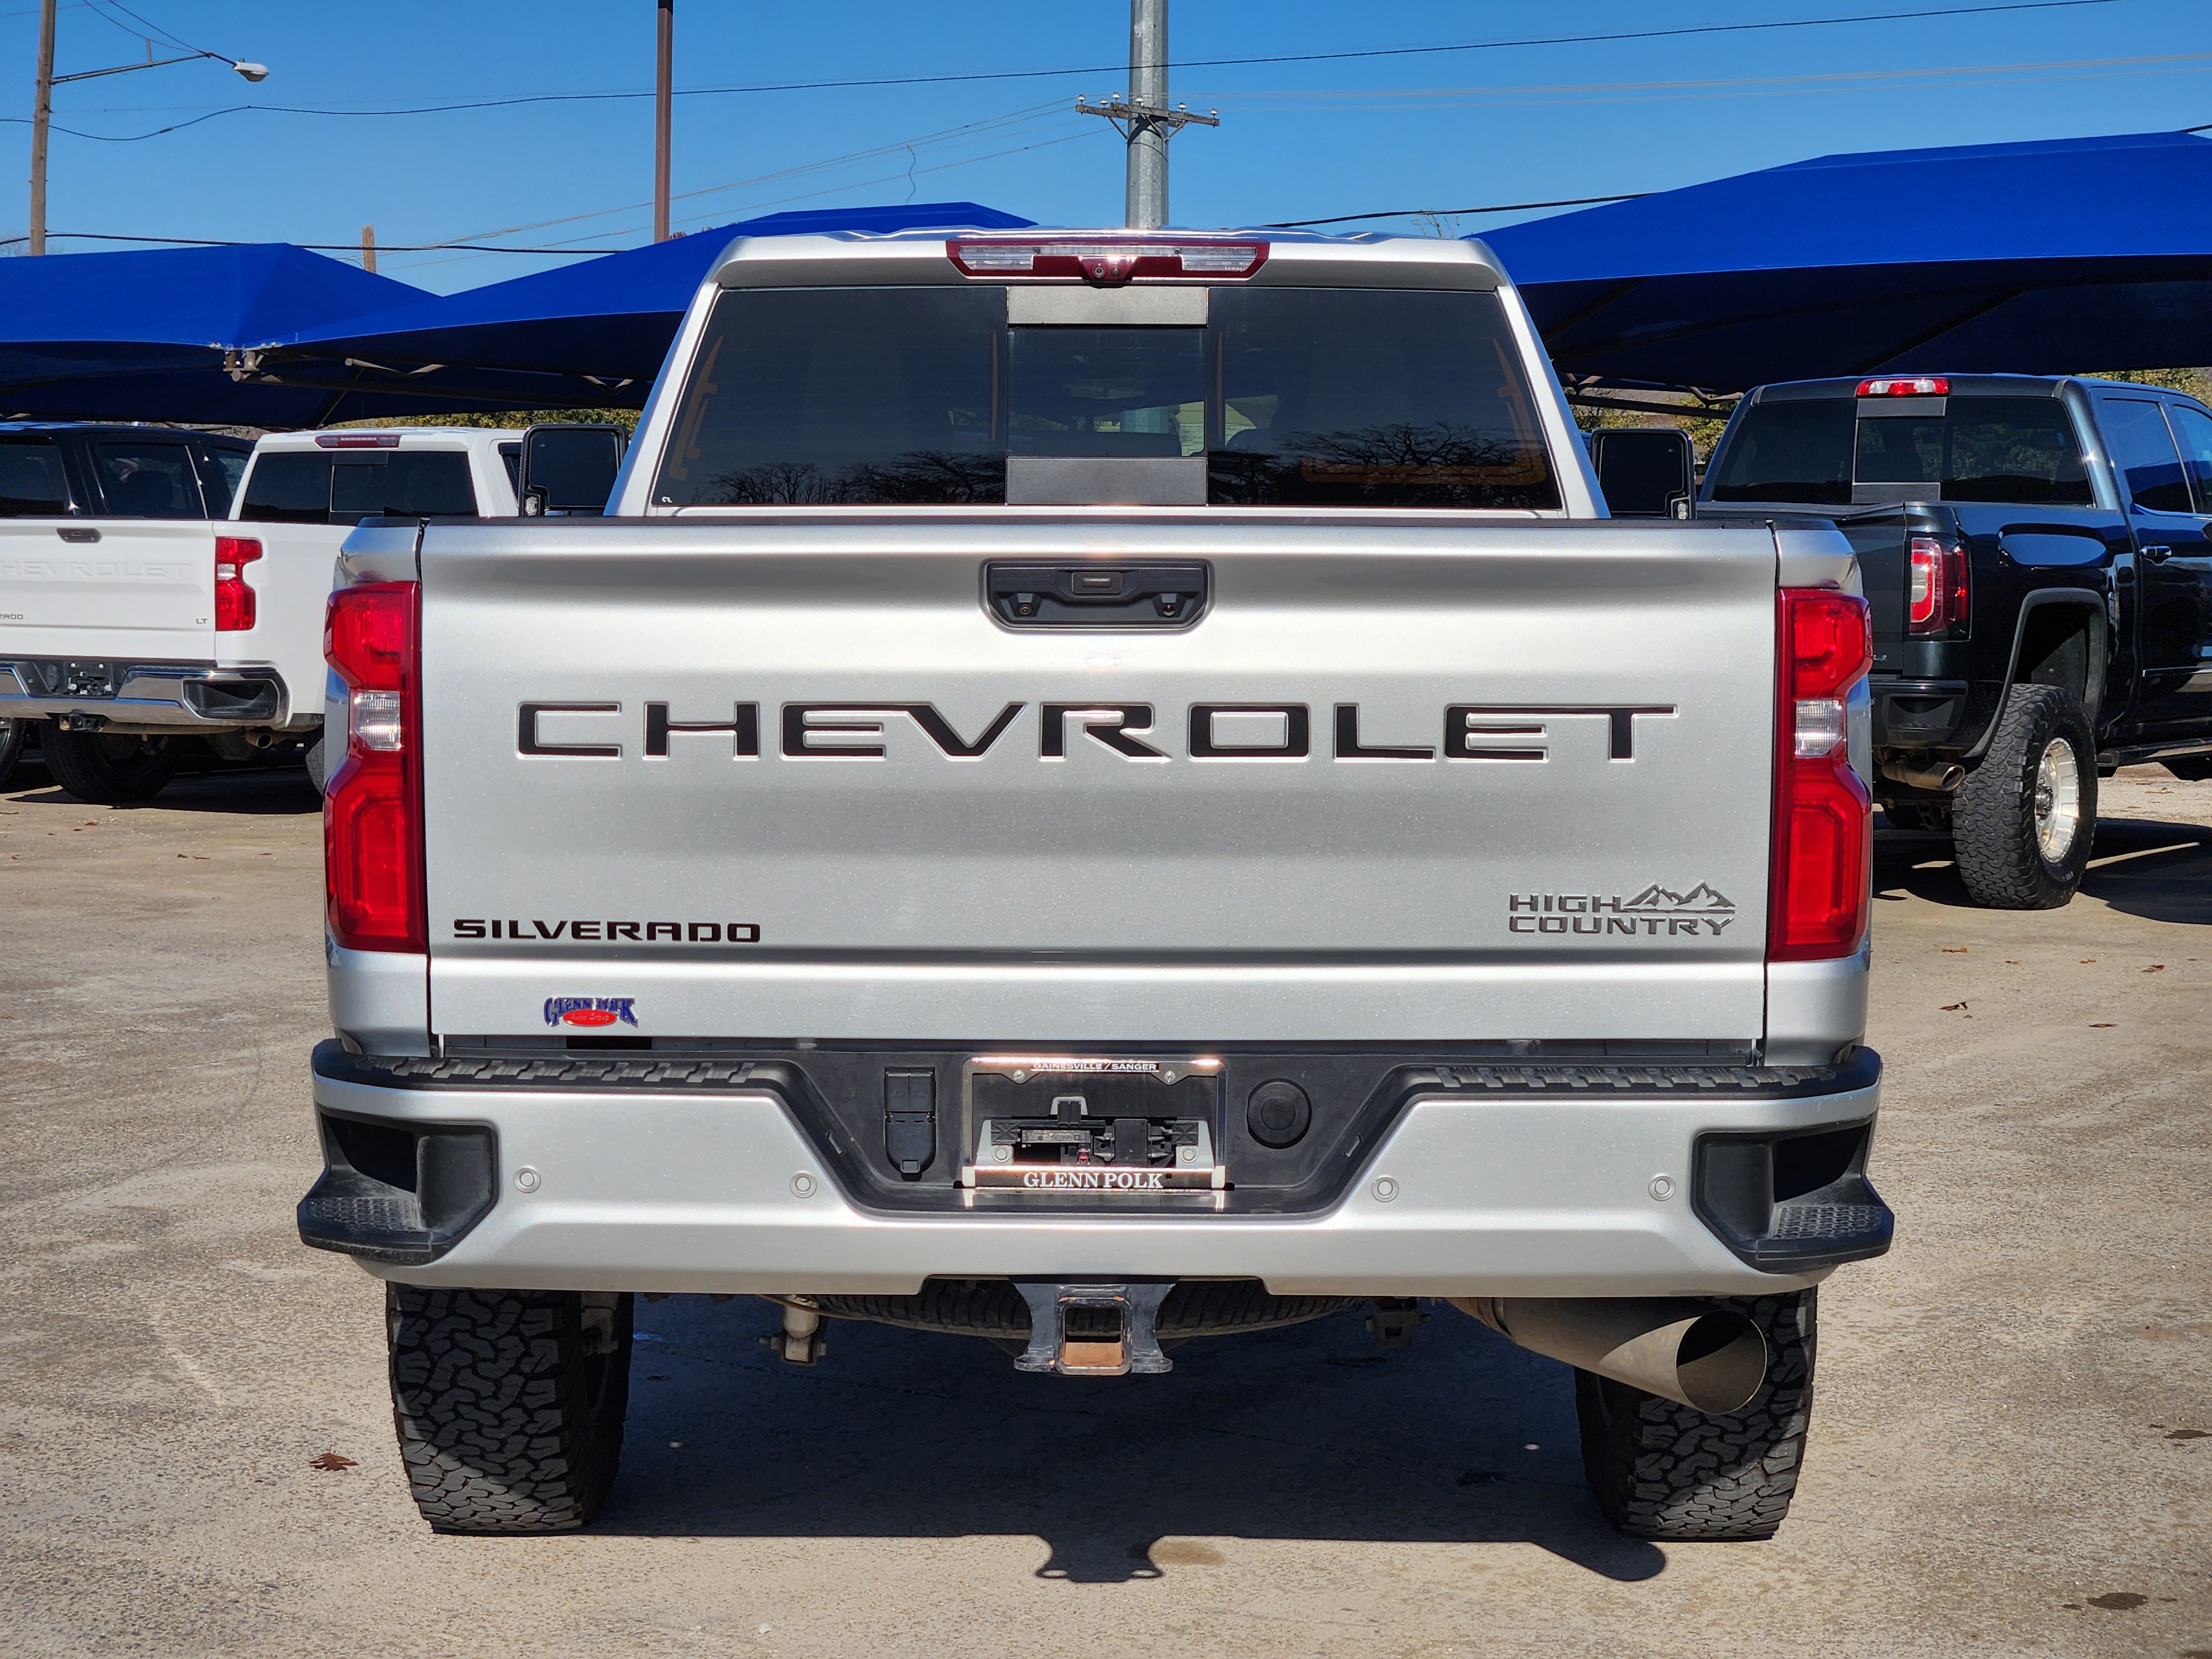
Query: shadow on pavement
[1314,1432]
[274,792]
[2140,866]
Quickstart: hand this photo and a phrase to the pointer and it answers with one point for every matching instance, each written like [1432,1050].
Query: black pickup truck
[2037,556]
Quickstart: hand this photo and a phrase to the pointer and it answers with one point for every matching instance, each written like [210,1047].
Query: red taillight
[235,608]
[1912,385]
[373,812]
[1936,597]
[1818,900]
[1107,259]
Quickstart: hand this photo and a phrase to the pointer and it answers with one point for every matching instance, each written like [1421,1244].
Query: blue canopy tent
[2081,254]
[145,335]
[590,334]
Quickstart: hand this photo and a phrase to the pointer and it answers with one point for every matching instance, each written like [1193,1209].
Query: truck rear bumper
[157,697]
[1635,1194]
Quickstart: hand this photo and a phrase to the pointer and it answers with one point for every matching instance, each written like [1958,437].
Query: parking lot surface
[2012,1438]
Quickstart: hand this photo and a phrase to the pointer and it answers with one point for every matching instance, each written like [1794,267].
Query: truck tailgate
[144,590]
[1586,868]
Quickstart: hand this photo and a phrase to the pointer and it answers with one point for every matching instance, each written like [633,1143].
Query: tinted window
[1790,452]
[2144,454]
[511,456]
[289,487]
[2194,427]
[148,481]
[1979,449]
[1352,398]
[219,477]
[1296,397]
[314,487]
[32,483]
[400,483]
[1106,391]
[850,395]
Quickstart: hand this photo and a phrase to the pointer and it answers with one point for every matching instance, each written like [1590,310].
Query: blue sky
[1439,129]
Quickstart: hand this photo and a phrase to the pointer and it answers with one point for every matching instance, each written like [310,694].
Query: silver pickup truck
[1098,791]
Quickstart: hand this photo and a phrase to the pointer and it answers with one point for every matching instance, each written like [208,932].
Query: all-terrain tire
[509,1404]
[12,735]
[1664,1471]
[109,771]
[2001,856]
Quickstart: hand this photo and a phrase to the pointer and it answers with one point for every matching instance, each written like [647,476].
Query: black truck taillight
[1937,593]
[373,879]
[1818,898]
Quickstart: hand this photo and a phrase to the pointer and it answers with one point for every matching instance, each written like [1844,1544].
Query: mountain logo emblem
[1700,900]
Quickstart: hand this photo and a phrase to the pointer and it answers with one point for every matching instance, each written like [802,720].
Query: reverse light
[1818,898]
[1106,259]
[373,879]
[1937,593]
[1914,385]
[236,606]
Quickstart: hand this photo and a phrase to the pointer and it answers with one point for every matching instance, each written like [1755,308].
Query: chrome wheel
[2058,800]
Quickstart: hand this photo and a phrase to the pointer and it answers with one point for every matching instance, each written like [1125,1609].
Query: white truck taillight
[1819,896]
[373,811]
[235,605]
[1936,593]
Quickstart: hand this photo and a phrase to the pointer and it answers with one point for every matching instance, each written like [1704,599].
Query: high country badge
[1656,913]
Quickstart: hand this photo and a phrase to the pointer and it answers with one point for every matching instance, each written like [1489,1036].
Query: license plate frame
[1055,1127]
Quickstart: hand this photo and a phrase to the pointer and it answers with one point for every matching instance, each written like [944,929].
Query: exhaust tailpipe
[1944,780]
[1710,1359]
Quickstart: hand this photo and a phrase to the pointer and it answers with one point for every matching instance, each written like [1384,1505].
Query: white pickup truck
[1098,790]
[129,622]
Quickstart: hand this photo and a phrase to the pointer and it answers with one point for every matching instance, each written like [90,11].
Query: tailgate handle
[77,533]
[1097,593]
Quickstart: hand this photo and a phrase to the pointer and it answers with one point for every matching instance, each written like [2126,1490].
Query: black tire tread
[1993,832]
[1666,1472]
[490,1396]
[13,735]
[77,763]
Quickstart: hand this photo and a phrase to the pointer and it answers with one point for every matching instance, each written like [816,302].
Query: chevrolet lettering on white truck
[1095,790]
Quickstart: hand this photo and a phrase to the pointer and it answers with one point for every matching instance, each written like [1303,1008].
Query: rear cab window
[220,469]
[145,480]
[1831,452]
[1286,396]
[345,486]
[33,483]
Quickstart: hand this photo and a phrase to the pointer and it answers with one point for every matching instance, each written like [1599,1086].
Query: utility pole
[1142,116]
[663,108]
[368,249]
[42,107]
[42,115]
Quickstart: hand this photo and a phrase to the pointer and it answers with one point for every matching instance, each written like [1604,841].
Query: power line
[1613,36]
[1447,213]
